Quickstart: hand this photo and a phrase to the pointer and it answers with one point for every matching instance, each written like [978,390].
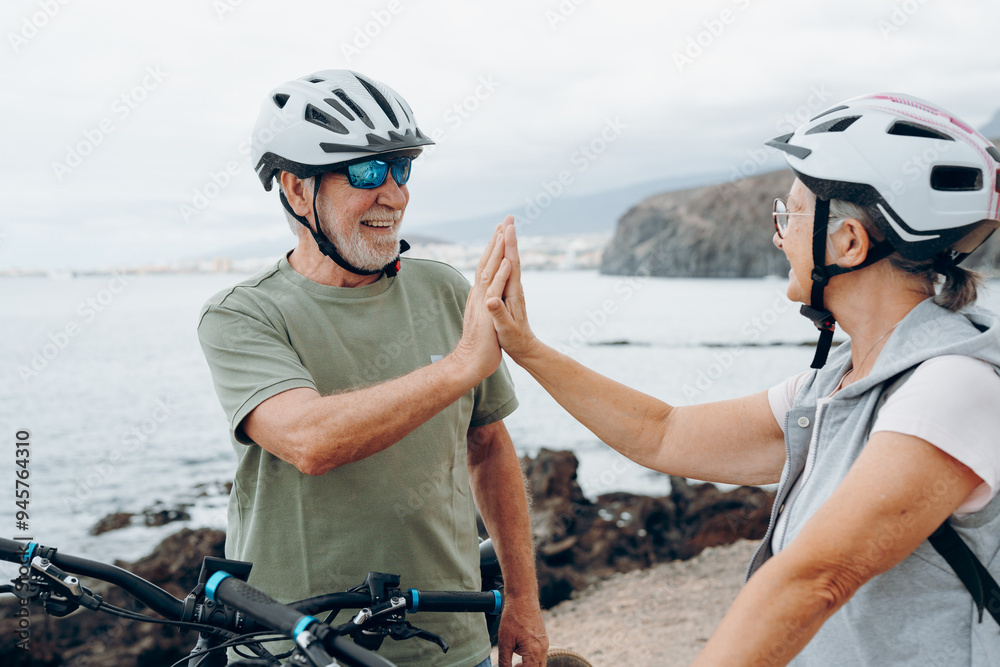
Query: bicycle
[228,612]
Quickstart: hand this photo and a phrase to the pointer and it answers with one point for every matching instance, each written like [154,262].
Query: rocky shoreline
[582,546]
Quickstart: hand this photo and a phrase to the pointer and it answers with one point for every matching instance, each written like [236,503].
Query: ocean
[106,375]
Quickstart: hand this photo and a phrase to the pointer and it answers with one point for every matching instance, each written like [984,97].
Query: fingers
[488,251]
[511,254]
[499,283]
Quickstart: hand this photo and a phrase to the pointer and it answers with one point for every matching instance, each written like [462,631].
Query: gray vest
[917,613]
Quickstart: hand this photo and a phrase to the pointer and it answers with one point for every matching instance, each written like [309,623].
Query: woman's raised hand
[510,317]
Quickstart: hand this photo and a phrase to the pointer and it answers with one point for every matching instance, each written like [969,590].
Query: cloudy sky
[124,122]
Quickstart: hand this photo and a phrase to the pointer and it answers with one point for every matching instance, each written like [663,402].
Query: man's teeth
[377,223]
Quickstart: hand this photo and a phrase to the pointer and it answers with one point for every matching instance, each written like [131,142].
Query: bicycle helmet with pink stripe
[931,182]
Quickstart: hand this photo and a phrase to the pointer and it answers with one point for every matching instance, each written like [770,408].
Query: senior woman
[897,434]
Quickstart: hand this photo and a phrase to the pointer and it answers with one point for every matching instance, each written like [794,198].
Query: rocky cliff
[717,231]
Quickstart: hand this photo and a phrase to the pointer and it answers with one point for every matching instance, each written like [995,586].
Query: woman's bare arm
[736,441]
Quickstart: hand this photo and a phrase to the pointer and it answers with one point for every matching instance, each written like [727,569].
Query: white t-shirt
[952,402]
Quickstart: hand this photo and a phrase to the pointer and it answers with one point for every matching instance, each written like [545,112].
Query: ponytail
[960,288]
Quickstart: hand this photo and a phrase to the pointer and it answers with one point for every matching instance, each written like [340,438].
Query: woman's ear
[850,244]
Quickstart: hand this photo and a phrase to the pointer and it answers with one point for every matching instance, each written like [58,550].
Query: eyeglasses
[372,173]
[780,214]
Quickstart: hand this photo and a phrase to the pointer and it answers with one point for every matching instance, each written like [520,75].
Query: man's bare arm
[498,487]
[318,433]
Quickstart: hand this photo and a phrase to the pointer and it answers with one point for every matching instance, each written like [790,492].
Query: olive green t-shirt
[406,510]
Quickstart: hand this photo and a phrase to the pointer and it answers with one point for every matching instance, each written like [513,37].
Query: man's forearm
[498,486]
[318,433]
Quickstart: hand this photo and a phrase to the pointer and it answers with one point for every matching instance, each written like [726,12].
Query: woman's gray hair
[954,289]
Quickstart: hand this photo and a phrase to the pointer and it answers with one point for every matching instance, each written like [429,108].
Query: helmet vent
[317,117]
[907,129]
[381,101]
[994,153]
[281,100]
[336,105]
[836,125]
[828,111]
[315,80]
[956,179]
[353,106]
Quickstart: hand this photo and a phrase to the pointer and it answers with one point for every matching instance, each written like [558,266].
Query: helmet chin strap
[821,275]
[326,246]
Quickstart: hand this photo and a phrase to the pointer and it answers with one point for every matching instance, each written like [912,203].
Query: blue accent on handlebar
[29,552]
[213,583]
[416,601]
[303,623]
[499,605]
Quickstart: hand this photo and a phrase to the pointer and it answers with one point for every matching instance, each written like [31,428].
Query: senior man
[365,402]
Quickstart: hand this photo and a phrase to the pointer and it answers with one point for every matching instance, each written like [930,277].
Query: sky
[125,123]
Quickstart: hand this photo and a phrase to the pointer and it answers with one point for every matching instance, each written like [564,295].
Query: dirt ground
[658,617]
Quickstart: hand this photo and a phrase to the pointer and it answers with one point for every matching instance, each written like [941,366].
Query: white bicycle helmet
[931,182]
[934,180]
[309,125]
[326,120]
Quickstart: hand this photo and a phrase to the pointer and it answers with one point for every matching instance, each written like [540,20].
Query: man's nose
[391,194]
[777,241]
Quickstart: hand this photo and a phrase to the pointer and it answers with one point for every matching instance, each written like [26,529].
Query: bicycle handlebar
[291,620]
[149,594]
[264,610]
[259,606]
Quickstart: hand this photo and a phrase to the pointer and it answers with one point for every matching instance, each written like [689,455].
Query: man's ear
[850,244]
[298,192]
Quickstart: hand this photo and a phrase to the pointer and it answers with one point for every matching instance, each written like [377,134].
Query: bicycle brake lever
[63,579]
[404,630]
[72,592]
[388,607]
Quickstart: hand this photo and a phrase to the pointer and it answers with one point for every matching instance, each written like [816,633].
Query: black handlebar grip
[12,551]
[256,604]
[490,602]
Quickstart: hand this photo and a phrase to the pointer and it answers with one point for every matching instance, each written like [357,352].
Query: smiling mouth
[377,224]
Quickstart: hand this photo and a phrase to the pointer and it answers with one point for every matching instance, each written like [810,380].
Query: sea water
[106,374]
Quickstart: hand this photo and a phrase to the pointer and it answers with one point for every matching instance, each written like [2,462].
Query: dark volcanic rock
[89,639]
[718,231]
[156,515]
[579,541]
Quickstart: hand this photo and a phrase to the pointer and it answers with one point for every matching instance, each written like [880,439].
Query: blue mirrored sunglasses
[372,173]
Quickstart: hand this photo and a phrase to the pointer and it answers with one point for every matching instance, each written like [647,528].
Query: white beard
[365,251]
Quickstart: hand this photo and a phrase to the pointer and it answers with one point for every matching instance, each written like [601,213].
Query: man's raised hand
[510,317]
[478,350]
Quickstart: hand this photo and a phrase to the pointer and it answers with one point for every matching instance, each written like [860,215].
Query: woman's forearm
[628,420]
[775,615]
